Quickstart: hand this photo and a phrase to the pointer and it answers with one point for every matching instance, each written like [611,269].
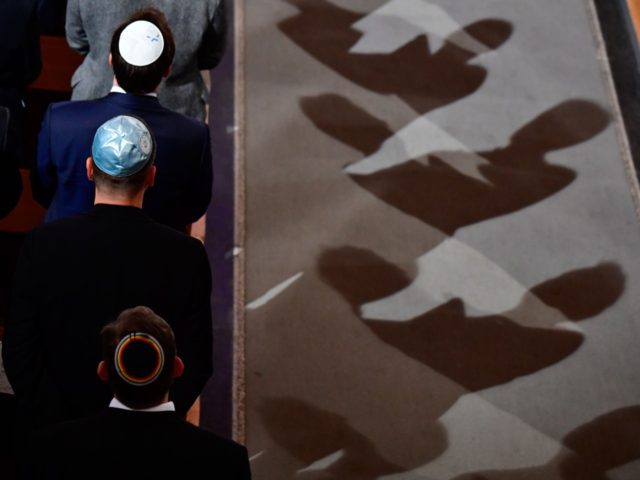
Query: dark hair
[145,79]
[133,183]
[129,185]
[132,321]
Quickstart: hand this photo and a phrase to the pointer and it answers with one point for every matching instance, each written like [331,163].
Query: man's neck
[118,89]
[120,201]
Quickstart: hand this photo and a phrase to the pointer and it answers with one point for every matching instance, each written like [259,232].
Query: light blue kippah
[122,146]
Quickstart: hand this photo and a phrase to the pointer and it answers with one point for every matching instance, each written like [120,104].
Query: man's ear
[178,367]
[110,60]
[103,374]
[166,73]
[89,165]
[151,176]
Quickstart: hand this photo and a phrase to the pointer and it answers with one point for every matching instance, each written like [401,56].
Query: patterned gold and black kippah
[139,359]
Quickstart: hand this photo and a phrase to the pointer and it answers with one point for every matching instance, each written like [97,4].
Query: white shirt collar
[119,89]
[163,407]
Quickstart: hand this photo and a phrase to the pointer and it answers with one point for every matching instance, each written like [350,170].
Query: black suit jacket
[19,43]
[74,276]
[19,66]
[120,444]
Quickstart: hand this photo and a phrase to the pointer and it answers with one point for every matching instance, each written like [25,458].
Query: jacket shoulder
[211,442]
[184,121]
[73,106]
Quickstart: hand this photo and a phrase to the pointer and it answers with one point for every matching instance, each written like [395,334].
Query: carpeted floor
[442,239]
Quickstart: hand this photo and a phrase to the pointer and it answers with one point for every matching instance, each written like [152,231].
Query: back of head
[142,49]
[123,150]
[139,351]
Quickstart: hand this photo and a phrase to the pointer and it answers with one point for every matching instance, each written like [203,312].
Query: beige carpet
[441,244]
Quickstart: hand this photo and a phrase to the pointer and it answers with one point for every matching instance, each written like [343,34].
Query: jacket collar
[131,100]
[119,89]
[118,211]
[161,407]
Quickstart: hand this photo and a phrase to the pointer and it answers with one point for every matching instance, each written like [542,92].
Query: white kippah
[141,43]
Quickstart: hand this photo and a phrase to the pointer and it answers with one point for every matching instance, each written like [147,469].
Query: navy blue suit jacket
[182,189]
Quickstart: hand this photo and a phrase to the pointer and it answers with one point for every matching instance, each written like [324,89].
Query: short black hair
[129,185]
[135,321]
[141,80]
